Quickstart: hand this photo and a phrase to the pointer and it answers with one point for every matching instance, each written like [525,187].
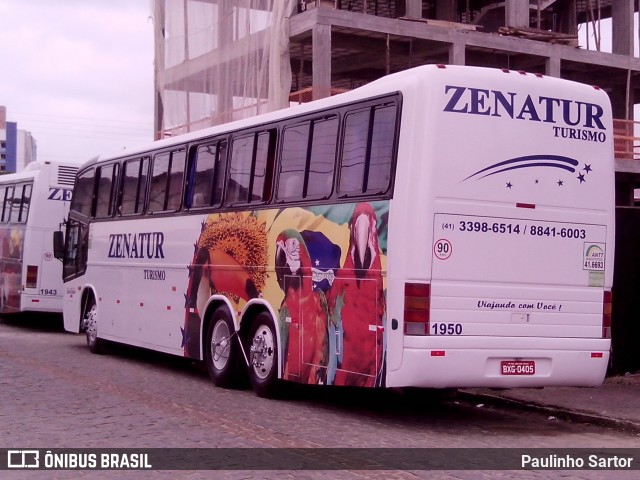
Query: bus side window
[367,151]
[354,153]
[241,167]
[382,143]
[158,188]
[167,179]
[206,172]
[143,184]
[11,207]
[251,167]
[176,180]
[3,192]
[264,166]
[219,174]
[82,200]
[26,201]
[133,186]
[106,190]
[293,161]
[321,163]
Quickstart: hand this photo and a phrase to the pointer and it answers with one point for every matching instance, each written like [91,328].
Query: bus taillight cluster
[416,308]
[606,314]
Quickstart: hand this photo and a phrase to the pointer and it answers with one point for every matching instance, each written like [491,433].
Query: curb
[559,412]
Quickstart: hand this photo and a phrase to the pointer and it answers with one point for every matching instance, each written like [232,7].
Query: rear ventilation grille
[67,175]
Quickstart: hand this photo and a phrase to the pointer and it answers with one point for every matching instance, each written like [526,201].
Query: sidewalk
[616,403]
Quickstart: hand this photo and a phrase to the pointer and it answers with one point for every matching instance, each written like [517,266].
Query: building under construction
[222,60]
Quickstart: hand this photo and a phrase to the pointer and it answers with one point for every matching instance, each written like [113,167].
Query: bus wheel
[90,324]
[222,350]
[263,357]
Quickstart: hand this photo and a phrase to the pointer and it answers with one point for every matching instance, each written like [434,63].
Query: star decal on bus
[185,337]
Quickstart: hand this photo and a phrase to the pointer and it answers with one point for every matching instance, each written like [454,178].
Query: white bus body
[486,262]
[33,204]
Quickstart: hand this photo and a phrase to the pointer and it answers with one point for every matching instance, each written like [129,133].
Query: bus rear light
[525,205]
[607,298]
[597,354]
[416,308]
[32,276]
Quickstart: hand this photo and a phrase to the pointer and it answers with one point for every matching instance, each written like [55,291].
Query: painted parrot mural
[305,264]
[357,303]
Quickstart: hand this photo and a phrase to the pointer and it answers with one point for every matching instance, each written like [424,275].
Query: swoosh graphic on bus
[528,161]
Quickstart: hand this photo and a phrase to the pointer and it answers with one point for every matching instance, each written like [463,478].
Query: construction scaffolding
[223,60]
[218,61]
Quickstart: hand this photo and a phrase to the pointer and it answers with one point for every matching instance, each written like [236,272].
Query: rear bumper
[41,303]
[558,362]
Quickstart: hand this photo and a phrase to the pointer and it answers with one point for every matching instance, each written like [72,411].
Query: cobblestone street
[55,394]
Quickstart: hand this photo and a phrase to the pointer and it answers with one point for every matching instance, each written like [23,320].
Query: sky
[78,74]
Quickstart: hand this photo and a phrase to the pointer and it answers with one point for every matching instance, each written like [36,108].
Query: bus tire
[262,349]
[222,351]
[90,322]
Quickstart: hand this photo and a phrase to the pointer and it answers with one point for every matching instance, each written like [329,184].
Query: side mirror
[58,244]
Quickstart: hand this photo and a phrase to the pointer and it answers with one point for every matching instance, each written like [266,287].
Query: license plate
[518,367]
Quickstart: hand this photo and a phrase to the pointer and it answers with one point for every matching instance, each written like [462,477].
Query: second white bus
[33,204]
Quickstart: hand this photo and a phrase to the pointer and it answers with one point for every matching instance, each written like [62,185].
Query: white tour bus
[440,227]
[33,204]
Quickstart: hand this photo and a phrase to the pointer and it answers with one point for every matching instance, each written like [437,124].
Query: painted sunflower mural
[230,259]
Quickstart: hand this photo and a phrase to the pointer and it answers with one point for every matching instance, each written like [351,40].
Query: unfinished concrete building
[221,60]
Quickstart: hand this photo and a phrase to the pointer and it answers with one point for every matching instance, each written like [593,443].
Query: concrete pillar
[321,61]
[552,67]
[622,27]
[517,13]
[457,53]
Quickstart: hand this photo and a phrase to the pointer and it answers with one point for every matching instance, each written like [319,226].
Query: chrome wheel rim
[263,352]
[91,325]
[220,345]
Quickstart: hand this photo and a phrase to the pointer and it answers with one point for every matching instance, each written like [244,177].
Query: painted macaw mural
[11,240]
[326,281]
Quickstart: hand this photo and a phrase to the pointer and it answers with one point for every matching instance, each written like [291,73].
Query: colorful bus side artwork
[33,204]
[435,228]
